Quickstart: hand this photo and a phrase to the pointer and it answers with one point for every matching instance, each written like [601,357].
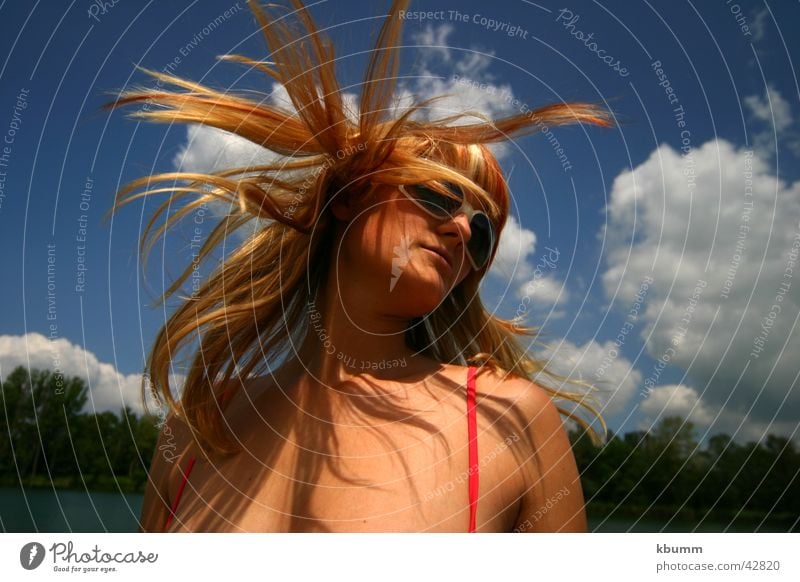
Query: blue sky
[713,226]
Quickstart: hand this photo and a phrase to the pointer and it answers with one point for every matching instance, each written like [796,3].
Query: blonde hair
[260,289]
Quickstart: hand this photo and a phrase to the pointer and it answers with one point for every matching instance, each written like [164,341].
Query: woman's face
[399,253]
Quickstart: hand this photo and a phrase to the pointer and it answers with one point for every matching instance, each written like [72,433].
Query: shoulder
[528,410]
[551,497]
[496,388]
[527,396]
[174,441]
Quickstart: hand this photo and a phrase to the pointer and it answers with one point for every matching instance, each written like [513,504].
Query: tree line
[664,474]
[46,440]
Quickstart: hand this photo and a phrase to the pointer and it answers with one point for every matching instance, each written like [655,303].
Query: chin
[421,295]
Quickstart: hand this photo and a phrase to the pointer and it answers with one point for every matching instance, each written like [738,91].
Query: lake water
[61,510]
[46,510]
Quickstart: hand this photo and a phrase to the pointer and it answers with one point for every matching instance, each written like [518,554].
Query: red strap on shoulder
[180,492]
[472,431]
[225,395]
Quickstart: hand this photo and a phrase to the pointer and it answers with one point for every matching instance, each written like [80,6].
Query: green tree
[674,472]
[39,408]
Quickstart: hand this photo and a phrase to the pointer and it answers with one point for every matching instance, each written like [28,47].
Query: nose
[457,227]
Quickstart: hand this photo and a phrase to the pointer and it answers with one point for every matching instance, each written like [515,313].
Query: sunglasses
[481,241]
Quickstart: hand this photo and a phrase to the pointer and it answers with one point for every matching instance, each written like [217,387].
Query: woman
[329,391]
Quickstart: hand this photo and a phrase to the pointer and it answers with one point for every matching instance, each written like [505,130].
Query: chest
[402,474]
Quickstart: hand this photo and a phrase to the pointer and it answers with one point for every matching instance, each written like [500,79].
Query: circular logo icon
[31,555]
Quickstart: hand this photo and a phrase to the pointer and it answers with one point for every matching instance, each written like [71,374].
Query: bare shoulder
[174,439]
[526,397]
[503,383]
[551,499]
[176,443]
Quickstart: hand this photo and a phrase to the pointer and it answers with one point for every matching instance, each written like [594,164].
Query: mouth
[441,253]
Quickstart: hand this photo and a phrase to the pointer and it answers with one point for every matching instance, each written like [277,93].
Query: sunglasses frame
[465,208]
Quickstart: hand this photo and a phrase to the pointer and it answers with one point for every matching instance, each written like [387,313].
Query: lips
[442,253]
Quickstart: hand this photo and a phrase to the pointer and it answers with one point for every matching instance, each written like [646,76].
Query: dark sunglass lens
[454,205]
[434,202]
[481,240]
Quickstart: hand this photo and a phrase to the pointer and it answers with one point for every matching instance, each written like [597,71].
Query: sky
[659,258]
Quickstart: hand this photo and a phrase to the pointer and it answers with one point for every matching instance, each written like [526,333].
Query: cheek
[381,249]
[377,238]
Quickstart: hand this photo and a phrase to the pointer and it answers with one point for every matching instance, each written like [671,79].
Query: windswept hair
[261,289]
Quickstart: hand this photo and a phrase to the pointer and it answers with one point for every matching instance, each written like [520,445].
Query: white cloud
[545,291]
[534,280]
[434,41]
[774,122]
[675,400]
[772,108]
[514,252]
[469,82]
[109,390]
[208,149]
[759,23]
[718,269]
[599,364]
[685,402]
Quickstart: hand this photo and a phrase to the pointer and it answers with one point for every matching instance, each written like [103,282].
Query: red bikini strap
[180,492]
[225,395]
[472,431]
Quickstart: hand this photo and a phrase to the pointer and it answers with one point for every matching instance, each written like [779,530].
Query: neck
[350,337]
